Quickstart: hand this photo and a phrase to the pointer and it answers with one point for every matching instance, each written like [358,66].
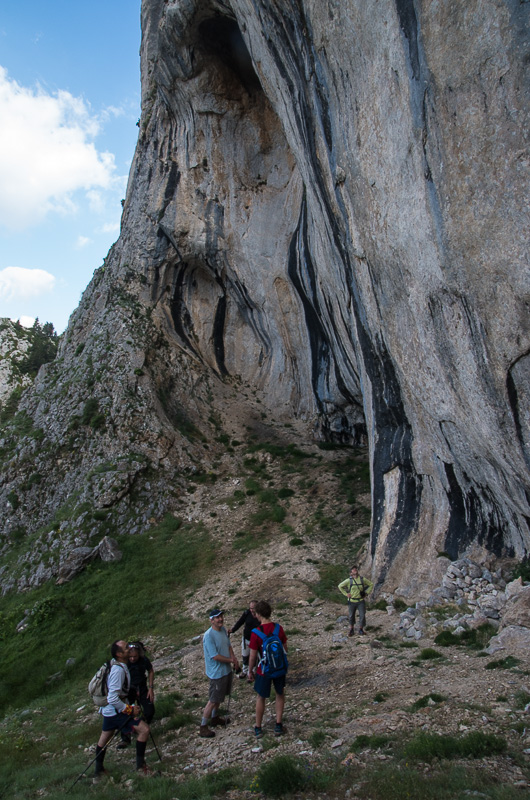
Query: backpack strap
[259,633]
[276,630]
[127,676]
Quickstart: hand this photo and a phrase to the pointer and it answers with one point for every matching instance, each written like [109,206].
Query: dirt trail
[340,686]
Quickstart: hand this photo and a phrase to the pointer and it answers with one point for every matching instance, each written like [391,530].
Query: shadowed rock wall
[328,202]
[332,194]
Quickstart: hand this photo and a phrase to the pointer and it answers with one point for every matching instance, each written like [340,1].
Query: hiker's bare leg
[260,710]
[142,731]
[104,738]
[280,703]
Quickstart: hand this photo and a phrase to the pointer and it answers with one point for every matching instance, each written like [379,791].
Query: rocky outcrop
[14,345]
[480,599]
[325,205]
[334,200]
[74,563]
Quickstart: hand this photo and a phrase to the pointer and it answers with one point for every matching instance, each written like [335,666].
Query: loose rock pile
[480,595]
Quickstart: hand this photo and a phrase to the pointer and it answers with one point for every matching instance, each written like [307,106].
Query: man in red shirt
[263,682]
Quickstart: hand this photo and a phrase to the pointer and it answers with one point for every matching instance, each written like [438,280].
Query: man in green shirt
[356,588]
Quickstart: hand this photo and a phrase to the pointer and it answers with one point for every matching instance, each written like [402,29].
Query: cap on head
[215,612]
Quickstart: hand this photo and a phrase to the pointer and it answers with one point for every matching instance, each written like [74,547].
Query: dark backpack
[273,660]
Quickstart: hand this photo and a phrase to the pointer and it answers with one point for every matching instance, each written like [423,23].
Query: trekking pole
[228,706]
[89,765]
[154,744]
[151,734]
[114,732]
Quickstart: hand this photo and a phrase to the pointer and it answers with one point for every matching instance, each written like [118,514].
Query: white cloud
[82,241]
[112,112]
[46,153]
[110,227]
[21,282]
[26,322]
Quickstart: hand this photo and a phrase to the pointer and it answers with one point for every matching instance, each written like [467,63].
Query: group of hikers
[129,702]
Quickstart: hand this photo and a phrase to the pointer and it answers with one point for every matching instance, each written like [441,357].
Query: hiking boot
[123,744]
[145,771]
[219,721]
[205,732]
[279,730]
[350,632]
[100,775]
[258,733]
[361,632]
[242,676]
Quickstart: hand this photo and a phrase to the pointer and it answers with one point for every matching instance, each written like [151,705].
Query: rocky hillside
[446,671]
[352,703]
[323,228]
[14,345]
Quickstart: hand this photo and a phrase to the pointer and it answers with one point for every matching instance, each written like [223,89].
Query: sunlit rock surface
[329,202]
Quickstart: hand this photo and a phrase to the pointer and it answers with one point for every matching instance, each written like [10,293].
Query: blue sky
[69,103]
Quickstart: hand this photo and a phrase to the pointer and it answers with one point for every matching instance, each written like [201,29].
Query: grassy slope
[41,735]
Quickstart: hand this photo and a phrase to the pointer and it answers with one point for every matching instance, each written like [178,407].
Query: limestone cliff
[14,345]
[327,203]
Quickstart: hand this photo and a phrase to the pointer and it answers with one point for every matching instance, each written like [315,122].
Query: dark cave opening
[222,38]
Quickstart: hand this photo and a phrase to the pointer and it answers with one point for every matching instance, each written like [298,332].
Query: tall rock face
[335,203]
[14,346]
[327,203]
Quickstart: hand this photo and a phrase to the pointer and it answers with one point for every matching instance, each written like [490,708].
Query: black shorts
[118,720]
[262,685]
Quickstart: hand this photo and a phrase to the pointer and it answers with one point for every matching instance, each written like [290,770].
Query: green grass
[478,638]
[267,515]
[281,776]
[317,738]
[475,639]
[447,639]
[522,570]
[80,619]
[428,654]
[248,540]
[404,782]
[503,663]
[428,746]
[330,577]
[166,704]
[423,702]
[296,541]
[521,699]
[366,742]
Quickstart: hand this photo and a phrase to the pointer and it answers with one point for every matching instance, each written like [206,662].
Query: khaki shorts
[220,687]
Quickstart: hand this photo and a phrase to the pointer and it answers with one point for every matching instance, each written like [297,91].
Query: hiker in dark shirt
[119,715]
[142,685]
[247,619]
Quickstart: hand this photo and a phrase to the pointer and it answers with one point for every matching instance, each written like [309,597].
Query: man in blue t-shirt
[218,660]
